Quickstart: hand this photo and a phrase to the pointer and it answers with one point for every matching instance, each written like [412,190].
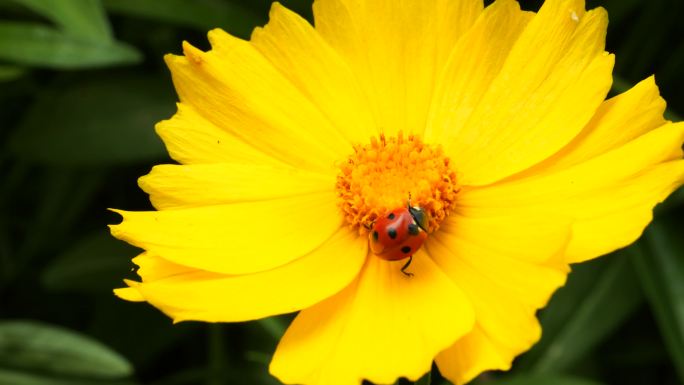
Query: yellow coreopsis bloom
[293,144]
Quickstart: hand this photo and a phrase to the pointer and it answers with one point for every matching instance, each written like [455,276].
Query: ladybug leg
[403,269]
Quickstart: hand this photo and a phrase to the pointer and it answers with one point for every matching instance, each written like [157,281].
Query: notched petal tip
[276,7]
[122,213]
[130,293]
[192,53]
[173,60]
[117,230]
[218,37]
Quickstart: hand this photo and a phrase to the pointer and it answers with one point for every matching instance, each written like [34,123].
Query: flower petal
[396,49]
[554,78]
[382,326]
[155,268]
[129,293]
[463,82]
[182,186]
[616,216]
[610,197]
[617,121]
[194,295]
[506,281]
[296,49]
[476,352]
[237,238]
[191,139]
[525,261]
[238,90]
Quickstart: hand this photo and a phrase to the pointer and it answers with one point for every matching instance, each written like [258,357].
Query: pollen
[382,175]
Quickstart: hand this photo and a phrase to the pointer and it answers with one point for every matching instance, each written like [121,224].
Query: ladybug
[399,234]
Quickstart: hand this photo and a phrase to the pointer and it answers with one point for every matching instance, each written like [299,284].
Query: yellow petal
[463,82]
[235,238]
[154,268]
[616,122]
[550,85]
[129,293]
[294,47]
[178,186]
[506,281]
[524,261]
[396,49]
[473,354]
[616,216]
[204,296]
[609,198]
[190,139]
[383,326]
[238,90]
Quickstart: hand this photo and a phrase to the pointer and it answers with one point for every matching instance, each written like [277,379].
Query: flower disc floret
[382,175]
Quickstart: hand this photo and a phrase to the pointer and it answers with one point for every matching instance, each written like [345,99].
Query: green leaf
[425,380]
[274,326]
[100,122]
[97,261]
[46,348]
[54,213]
[83,18]
[583,314]
[199,14]
[8,73]
[675,200]
[659,262]
[38,45]
[22,378]
[551,379]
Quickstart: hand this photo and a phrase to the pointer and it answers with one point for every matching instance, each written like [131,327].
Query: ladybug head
[419,216]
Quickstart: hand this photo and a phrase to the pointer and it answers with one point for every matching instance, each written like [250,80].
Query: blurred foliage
[82,83]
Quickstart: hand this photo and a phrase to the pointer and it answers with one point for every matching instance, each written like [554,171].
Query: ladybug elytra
[399,234]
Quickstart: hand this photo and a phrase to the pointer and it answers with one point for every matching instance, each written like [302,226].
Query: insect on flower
[399,234]
[494,118]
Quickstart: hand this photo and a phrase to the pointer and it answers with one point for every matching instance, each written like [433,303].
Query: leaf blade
[583,315]
[662,278]
[50,349]
[95,262]
[96,122]
[36,45]
[200,14]
[83,18]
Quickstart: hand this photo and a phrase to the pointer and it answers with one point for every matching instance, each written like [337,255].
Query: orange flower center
[380,176]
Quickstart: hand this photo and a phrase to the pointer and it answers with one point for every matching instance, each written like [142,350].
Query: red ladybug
[399,234]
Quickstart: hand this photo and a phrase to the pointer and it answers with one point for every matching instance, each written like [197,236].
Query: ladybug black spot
[413,229]
[375,235]
[390,216]
[406,249]
[392,232]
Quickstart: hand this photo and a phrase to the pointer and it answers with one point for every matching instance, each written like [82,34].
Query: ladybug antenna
[408,204]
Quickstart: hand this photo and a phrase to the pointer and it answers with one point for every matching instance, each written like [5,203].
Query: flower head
[294,147]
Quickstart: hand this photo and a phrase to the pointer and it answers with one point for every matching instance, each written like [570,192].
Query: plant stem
[216,354]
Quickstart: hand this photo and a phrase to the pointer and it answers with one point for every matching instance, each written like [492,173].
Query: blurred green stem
[216,354]
[274,326]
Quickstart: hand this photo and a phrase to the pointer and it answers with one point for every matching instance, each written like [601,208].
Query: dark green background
[82,83]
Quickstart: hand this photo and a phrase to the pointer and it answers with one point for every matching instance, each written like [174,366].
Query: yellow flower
[292,144]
